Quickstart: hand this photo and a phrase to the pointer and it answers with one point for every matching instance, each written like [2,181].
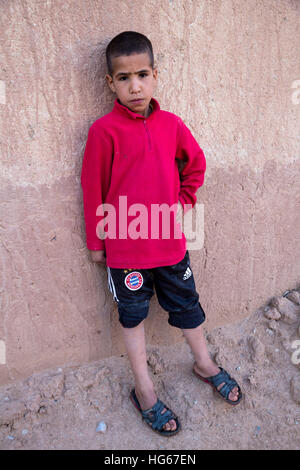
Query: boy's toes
[234,394]
[173,425]
[170,426]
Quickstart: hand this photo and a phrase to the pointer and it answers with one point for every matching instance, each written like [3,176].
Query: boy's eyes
[142,75]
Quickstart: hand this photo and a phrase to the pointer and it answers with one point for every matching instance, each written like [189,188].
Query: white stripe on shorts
[111,284]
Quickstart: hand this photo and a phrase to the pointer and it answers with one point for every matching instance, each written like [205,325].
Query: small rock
[295,388]
[257,349]
[273,325]
[101,427]
[272,314]
[11,438]
[289,311]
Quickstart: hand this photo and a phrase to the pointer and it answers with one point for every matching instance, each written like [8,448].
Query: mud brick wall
[231,70]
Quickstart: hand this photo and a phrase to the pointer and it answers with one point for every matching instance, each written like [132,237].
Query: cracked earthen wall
[231,70]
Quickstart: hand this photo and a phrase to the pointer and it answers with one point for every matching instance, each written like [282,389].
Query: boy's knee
[132,314]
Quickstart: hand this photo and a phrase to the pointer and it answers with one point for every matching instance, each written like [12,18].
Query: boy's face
[134,81]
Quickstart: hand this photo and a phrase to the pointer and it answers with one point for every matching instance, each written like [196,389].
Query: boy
[130,161]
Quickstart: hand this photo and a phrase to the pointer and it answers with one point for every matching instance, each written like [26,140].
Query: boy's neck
[149,110]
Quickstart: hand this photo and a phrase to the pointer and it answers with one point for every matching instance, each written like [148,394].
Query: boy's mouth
[136,101]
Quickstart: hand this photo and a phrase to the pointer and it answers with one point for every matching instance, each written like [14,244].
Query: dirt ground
[88,407]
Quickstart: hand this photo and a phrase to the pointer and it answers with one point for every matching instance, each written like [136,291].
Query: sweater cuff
[96,245]
[185,206]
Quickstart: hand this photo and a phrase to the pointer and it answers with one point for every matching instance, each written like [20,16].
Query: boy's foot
[212,369]
[147,398]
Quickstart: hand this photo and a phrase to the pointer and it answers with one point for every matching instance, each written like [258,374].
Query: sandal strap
[155,417]
[229,382]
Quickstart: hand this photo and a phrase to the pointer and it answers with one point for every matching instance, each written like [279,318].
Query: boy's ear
[155,76]
[110,83]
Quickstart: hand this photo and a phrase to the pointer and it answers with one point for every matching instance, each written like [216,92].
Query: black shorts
[174,287]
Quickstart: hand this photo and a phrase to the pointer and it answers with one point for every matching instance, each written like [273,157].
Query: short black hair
[127,43]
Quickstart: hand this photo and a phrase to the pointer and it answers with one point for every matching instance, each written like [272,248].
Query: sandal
[154,416]
[229,384]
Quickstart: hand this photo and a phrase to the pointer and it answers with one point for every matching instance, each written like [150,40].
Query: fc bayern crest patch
[134,280]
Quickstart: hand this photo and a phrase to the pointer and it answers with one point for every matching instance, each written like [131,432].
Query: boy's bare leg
[204,364]
[135,343]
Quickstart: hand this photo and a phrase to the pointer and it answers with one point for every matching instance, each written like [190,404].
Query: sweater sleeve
[192,174]
[95,181]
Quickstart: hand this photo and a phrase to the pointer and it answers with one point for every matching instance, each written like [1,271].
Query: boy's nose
[134,86]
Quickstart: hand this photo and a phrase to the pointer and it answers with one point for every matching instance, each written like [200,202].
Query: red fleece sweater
[135,157]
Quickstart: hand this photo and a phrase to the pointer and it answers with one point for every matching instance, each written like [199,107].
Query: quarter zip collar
[121,109]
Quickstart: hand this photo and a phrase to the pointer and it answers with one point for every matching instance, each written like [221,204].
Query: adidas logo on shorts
[187,274]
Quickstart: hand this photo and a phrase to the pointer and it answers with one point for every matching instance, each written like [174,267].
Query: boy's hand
[98,256]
